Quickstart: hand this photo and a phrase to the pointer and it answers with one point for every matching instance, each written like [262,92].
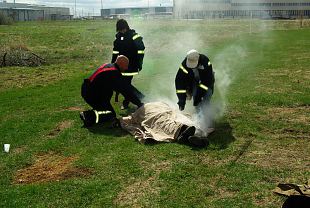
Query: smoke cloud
[167,43]
[164,54]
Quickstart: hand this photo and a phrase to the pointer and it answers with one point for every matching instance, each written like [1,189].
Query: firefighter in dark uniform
[97,91]
[128,43]
[195,78]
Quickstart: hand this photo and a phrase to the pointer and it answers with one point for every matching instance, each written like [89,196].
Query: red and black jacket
[106,79]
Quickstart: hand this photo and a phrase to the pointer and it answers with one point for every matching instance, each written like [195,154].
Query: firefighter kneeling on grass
[195,78]
[97,91]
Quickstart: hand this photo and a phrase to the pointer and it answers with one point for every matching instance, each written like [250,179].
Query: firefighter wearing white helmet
[195,78]
[98,89]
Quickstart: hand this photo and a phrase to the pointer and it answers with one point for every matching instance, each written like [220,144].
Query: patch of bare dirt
[74,108]
[18,150]
[131,195]
[50,167]
[60,127]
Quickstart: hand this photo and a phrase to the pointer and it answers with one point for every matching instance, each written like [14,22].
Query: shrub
[5,20]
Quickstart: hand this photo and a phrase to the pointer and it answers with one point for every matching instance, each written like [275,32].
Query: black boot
[88,118]
[92,117]
[185,133]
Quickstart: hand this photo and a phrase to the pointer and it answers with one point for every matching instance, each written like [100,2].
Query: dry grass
[60,127]
[297,115]
[279,154]
[24,77]
[281,81]
[48,168]
[74,108]
[134,193]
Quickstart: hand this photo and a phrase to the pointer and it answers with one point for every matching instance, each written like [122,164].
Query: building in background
[200,9]
[31,12]
[145,12]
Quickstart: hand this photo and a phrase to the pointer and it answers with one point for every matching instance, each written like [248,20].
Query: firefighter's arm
[181,86]
[115,52]
[138,40]
[207,80]
[209,77]
[127,91]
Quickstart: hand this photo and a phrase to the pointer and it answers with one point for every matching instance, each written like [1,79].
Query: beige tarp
[158,121]
[289,189]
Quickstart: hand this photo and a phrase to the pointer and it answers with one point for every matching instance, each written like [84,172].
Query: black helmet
[121,25]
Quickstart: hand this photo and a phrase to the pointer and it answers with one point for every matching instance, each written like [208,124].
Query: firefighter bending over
[195,78]
[97,91]
[130,44]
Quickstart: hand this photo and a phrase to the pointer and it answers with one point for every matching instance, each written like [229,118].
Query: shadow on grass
[107,130]
[152,142]
[222,137]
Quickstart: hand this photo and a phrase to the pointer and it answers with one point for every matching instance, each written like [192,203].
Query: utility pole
[75,8]
[101,9]
[148,7]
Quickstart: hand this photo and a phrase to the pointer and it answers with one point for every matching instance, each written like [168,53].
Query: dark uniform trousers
[127,80]
[98,90]
[102,108]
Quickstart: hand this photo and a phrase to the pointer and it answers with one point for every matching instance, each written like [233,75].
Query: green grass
[261,139]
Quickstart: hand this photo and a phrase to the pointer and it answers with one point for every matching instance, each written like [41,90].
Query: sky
[93,6]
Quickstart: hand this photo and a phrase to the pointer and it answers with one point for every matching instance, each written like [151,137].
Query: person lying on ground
[157,121]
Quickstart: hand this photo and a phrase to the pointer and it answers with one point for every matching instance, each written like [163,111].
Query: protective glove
[197,101]
[115,123]
[140,105]
[181,107]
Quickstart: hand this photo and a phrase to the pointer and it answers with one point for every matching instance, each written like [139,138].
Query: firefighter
[128,43]
[97,91]
[194,79]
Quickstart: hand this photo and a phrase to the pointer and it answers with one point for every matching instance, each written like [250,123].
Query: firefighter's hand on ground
[197,101]
[115,123]
[140,105]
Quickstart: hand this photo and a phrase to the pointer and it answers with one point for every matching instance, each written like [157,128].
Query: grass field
[262,127]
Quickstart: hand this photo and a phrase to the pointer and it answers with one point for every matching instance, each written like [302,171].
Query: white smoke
[165,50]
[163,55]
[225,73]
[160,80]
